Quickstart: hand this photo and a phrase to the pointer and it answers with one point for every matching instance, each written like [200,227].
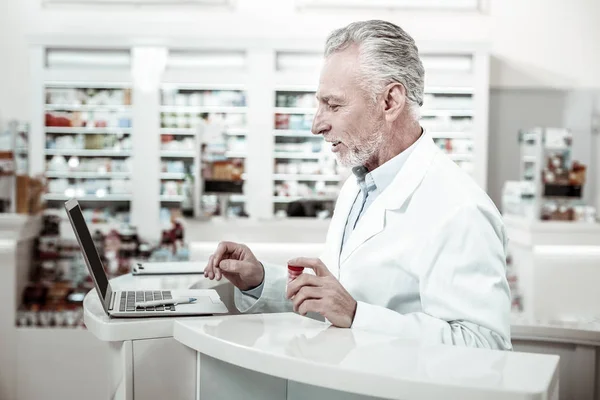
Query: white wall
[535,43]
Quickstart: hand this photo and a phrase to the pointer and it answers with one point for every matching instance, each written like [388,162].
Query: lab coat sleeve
[465,296]
[272,298]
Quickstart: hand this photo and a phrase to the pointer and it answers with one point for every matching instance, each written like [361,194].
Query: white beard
[358,156]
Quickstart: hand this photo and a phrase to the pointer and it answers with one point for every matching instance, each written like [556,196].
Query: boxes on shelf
[552,183]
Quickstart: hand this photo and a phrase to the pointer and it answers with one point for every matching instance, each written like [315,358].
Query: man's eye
[333,107]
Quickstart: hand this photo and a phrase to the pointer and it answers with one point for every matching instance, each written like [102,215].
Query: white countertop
[574,332]
[551,233]
[116,329]
[292,347]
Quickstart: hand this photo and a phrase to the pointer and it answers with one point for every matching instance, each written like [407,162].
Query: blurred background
[180,123]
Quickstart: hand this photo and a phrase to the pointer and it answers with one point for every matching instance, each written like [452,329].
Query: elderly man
[415,248]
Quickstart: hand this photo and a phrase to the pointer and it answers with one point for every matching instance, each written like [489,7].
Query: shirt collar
[381,177]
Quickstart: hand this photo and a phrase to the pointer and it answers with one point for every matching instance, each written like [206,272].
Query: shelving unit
[201,101]
[210,126]
[304,167]
[448,114]
[87,132]
[88,198]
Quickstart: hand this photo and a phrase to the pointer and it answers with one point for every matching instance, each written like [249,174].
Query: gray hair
[387,53]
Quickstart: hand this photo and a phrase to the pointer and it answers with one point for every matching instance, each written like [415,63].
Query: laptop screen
[87,246]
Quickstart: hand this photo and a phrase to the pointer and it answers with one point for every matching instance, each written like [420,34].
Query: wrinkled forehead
[340,75]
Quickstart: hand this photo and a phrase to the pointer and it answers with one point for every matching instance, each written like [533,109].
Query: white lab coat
[426,261]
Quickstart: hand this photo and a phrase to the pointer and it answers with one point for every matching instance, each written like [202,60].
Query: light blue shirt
[371,184]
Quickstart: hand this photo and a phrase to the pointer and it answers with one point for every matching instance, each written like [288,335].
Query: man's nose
[320,126]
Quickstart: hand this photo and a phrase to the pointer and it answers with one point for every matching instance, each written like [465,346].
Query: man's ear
[394,97]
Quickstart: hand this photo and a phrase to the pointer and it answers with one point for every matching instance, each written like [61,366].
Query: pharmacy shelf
[296,156]
[451,135]
[87,175]
[204,109]
[295,110]
[236,131]
[87,153]
[235,154]
[179,131]
[87,131]
[447,113]
[289,199]
[306,177]
[177,154]
[87,107]
[194,131]
[448,90]
[90,198]
[294,133]
[171,199]
[178,176]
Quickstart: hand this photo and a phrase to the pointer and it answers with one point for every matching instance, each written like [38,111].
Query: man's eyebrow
[328,98]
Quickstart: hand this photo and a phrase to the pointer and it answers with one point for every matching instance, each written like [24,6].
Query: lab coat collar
[392,198]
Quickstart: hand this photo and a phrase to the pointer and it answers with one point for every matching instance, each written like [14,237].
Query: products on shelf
[294,121]
[201,98]
[324,166]
[226,170]
[89,119]
[567,210]
[87,96]
[447,124]
[455,146]
[210,205]
[96,164]
[447,101]
[309,146]
[552,185]
[296,99]
[95,187]
[89,142]
[171,143]
[189,120]
[174,167]
[303,189]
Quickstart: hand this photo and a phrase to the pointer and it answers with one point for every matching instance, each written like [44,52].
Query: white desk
[577,344]
[286,356]
[145,361]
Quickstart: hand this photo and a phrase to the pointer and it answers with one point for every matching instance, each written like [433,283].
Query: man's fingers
[222,249]
[300,282]
[311,305]
[305,293]
[208,267]
[313,263]
[232,266]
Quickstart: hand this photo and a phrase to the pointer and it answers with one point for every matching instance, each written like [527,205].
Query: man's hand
[235,262]
[322,294]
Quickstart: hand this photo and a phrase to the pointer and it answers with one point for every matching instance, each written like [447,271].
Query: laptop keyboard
[129,298]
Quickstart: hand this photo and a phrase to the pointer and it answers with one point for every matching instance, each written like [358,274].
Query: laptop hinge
[112,301]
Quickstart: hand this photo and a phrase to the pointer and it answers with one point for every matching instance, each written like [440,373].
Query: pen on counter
[166,302]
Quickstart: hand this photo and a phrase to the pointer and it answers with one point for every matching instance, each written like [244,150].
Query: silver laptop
[123,303]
